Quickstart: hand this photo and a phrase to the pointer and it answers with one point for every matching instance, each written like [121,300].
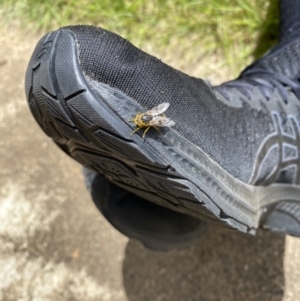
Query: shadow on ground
[225,265]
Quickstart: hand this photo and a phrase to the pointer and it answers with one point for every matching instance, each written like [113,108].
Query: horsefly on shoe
[154,117]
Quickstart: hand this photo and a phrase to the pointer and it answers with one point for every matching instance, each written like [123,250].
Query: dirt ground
[55,245]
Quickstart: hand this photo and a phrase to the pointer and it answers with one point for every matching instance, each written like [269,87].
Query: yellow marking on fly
[152,118]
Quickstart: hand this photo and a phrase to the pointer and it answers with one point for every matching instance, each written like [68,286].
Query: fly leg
[135,130]
[157,129]
[147,129]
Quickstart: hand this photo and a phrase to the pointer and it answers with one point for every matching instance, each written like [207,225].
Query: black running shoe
[232,157]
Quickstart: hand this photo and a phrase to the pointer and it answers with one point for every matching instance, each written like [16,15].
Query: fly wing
[162,121]
[161,108]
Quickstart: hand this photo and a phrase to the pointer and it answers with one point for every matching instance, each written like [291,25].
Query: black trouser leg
[289,11]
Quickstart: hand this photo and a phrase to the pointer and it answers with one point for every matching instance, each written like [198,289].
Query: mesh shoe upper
[230,131]
[276,76]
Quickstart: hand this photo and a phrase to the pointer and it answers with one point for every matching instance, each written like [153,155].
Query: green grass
[234,30]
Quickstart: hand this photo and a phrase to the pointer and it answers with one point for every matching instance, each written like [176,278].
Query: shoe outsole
[90,122]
